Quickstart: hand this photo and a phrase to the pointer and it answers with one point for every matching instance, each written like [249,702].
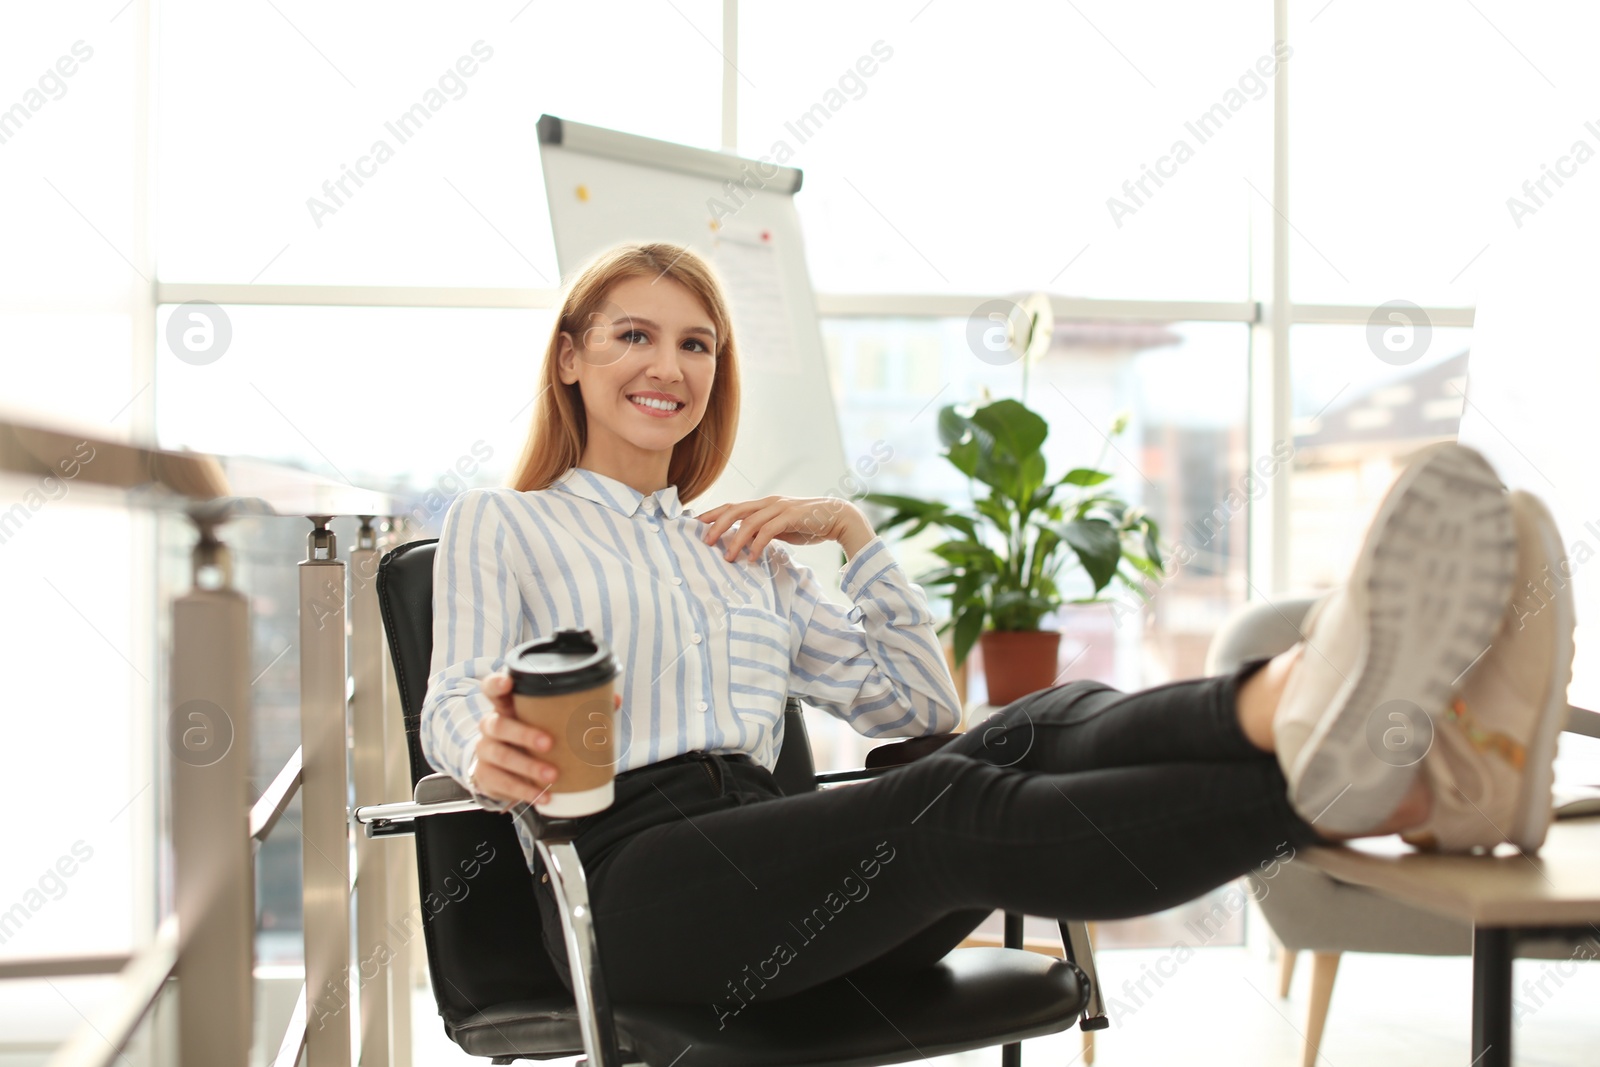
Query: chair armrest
[436,794]
[440,794]
[438,789]
[888,757]
[1079,948]
[912,748]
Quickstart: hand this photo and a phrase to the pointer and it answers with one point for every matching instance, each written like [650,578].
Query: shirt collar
[618,496]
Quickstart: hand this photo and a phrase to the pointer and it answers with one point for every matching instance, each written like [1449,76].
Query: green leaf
[938,576]
[1031,478]
[964,455]
[1143,565]
[965,590]
[1015,609]
[1013,599]
[968,625]
[999,473]
[953,426]
[1098,546]
[1043,546]
[964,523]
[1084,476]
[905,504]
[997,509]
[1017,432]
[968,554]
[1152,543]
[972,446]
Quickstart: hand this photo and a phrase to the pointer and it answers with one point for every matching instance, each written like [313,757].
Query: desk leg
[1492,952]
[1011,1053]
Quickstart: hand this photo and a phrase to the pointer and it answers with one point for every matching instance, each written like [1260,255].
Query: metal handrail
[294,1034]
[100,1042]
[63,966]
[276,798]
[211,963]
[208,486]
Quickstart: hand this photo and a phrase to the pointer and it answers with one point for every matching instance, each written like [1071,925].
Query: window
[1411,139]
[79,870]
[372,145]
[1038,113]
[459,382]
[1357,417]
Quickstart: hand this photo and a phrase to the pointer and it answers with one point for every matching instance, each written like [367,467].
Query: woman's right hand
[510,767]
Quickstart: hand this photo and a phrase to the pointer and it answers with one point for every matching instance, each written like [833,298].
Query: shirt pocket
[758,663]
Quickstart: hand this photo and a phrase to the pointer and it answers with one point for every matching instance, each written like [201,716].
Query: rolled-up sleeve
[877,665]
[477,612]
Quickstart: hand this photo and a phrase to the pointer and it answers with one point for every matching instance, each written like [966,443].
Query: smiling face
[644,365]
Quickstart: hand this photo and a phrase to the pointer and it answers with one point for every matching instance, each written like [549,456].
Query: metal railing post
[208,738]
[368,713]
[324,799]
[400,853]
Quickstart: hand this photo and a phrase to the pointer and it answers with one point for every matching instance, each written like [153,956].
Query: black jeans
[709,885]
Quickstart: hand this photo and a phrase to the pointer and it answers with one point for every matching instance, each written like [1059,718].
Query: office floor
[1221,1008]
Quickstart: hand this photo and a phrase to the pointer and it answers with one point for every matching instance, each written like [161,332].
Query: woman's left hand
[804,520]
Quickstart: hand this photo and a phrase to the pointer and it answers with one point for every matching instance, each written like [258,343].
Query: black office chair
[500,996]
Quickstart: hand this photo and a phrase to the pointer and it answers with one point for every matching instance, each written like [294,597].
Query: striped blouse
[709,649]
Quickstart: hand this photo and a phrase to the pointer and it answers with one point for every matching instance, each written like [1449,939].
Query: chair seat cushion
[973,998]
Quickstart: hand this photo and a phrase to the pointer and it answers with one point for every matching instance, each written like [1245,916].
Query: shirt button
[702,705]
[652,526]
[676,580]
[695,639]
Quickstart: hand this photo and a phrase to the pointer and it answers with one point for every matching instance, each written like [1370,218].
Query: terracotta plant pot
[1019,662]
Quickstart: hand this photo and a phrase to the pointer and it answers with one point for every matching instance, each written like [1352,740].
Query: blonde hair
[560,429]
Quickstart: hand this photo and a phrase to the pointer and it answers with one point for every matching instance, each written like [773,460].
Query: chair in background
[499,995]
[1314,912]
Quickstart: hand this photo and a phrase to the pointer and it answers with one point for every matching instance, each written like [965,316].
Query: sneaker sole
[1436,570]
[1534,806]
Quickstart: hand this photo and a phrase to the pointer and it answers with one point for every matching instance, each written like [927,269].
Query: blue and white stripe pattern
[708,648]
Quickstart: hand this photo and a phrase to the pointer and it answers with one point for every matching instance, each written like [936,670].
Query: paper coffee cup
[564,685]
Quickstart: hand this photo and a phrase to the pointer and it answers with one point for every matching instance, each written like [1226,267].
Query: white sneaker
[1492,764]
[1382,652]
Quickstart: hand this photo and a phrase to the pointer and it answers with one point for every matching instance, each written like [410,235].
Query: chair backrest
[481,920]
[1257,629]
[482,932]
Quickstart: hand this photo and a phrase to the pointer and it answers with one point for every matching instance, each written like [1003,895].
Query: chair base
[973,998]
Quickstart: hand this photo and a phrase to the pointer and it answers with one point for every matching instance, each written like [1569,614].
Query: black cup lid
[571,661]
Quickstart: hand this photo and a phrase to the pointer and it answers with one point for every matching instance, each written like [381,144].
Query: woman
[1077,802]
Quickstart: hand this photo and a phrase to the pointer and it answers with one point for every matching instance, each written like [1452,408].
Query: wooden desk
[1505,897]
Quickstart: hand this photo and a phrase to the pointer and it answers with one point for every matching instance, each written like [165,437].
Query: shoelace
[1453,770]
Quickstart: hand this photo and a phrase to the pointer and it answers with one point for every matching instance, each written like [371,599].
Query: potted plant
[1004,557]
